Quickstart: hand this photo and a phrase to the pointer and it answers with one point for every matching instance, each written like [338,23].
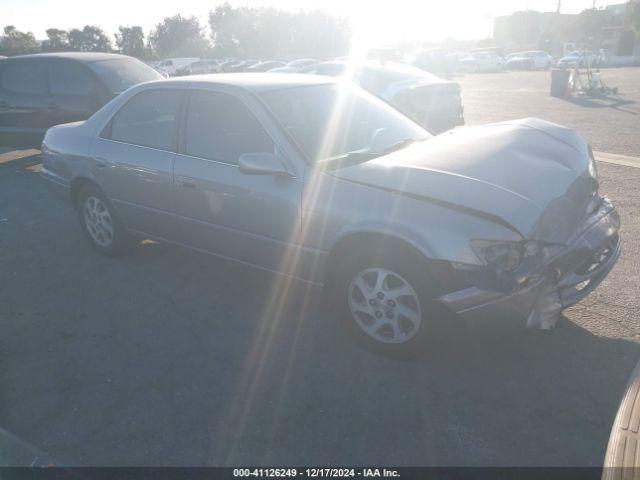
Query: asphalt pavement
[610,124]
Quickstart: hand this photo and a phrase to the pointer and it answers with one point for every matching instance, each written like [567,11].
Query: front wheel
[387,300]
[100,223]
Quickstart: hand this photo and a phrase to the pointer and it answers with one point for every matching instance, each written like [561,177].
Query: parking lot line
[617,159]
[10,155]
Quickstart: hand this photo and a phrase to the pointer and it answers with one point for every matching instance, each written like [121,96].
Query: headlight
[503,256]
[498,255]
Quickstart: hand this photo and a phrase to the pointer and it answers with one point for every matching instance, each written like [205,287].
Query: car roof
[79,56]
[255,82]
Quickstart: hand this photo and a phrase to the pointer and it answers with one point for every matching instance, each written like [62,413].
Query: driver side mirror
[262,163]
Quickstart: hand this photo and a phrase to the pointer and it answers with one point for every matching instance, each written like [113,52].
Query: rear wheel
[387,299]
[100,223]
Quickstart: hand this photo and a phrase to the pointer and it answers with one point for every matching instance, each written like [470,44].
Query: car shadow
[487,393]
[613,102]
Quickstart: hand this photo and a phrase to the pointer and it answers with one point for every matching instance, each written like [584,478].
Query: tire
[100,223]
[621,456]
[405,323]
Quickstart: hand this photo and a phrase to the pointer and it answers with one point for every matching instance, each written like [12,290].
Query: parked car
[433,60]
[295,66]
[241,66]
[38,91]
[533,60]
[483,61]
[607,60]
[265,66]
[433,102]
[203,67]
[453,61]
[225,65]
[495,50]
[578,58]
[321,181]
[175,66]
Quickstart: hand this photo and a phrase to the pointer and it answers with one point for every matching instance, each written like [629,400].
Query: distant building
[617,37]
[529,30]
[606,28]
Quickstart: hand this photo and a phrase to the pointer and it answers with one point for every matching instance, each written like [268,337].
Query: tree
[15,42]
[89,39]
[319,35]
[226,24]
[178,36]
[271,33]
[130,41]
[57,40]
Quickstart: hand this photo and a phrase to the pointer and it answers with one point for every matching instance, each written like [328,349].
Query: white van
[174,66]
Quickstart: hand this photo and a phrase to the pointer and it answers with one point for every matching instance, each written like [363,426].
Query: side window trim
[105,134]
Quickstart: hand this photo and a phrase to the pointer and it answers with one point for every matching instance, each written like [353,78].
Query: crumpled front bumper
[559,283]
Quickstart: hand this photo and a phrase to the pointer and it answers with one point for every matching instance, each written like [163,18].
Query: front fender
[376,227]
[341,209]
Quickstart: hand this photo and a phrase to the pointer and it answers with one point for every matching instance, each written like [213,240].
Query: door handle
[4,106]
[187,184]
[53,106]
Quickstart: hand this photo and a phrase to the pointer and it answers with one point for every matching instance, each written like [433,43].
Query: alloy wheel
[385,305]
[98,221]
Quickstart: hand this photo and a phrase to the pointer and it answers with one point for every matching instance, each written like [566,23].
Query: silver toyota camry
[320,181]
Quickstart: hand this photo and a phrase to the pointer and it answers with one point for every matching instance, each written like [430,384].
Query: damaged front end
[534,281]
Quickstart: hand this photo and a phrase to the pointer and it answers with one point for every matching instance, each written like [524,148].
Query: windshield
[331,122]
[122,73]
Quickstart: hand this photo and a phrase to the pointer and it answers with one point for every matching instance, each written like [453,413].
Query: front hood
[530,174]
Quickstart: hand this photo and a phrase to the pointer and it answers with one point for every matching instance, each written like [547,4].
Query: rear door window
[69,78]
[149,119]
[26,77]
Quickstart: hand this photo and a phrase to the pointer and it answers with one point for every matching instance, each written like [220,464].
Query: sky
[379,22]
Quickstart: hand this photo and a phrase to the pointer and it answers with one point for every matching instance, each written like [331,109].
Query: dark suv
[42,90]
